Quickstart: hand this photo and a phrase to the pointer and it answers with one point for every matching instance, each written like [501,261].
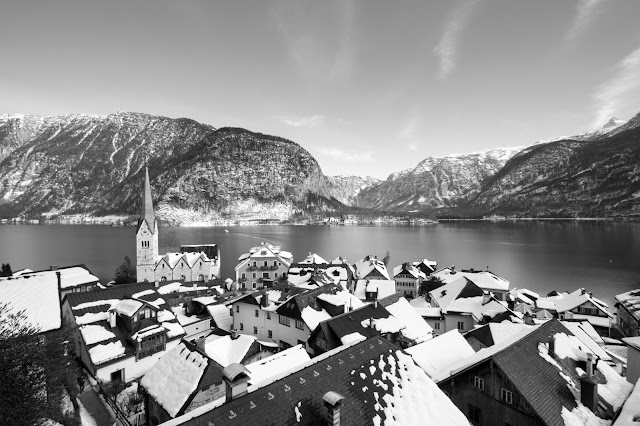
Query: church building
[188,265]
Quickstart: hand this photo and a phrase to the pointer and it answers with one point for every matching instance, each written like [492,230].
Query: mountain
[575,177]
[345,188]
[435,182]
[94,165]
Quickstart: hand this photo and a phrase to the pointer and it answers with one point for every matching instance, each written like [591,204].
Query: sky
[368,87]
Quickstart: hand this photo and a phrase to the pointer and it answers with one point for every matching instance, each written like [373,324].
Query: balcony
[242,280]
[252,268]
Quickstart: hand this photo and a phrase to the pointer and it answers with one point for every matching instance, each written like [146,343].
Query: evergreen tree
[6,271]
[35,372]
[386,259]
[126,272]
[431,283]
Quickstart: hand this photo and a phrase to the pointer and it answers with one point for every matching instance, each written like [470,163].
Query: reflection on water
[603,257]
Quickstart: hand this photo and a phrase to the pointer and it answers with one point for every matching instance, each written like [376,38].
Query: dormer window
[263,253]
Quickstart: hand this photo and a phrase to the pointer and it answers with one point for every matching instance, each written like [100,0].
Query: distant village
[328,341]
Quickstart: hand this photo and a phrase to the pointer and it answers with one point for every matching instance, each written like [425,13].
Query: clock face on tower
[145,232]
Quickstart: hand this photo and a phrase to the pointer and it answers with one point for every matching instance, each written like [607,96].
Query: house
[415,329]
[433,316]
[465,305]
[37,296]
[183,379]
[370,290]
[628,319]
[234,348]
[408,279]
[73,278]
[315,269]
[185,266]
[194,317]
[276,364]
[633,358]
[427,267]
[486,280]
[367,382]
[286,317]
[631,410]
[122,330]
[262,267]
[335,332]
[370,268]
[540,376]
[578,305]
[494,334]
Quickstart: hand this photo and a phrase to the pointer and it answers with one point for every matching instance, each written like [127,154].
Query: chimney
[486,297]
[453,269]
[53,267]
[156,284]
[552,347]
[236,381]
[200,343]
[264,300]
[59,280]
[333,401]
[589,387]
[112,318]
[234,334]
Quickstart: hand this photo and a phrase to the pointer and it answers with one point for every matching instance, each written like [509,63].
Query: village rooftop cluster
[332,342]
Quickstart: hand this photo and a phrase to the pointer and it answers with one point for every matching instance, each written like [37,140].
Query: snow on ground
[175,377]
[312,318]
[85,417]
[103,353]
[95,333]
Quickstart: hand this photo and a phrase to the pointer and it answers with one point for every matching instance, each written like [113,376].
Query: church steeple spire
[147,212]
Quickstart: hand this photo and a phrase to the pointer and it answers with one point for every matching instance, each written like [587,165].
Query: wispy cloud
[408,131]
[620,90]
[585,12]
[447,48]
[307,121]
[346,155]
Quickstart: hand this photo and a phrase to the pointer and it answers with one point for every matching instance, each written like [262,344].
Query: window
[299,325]
[474,415]
[241,326]
[460,326]
[243,286]
[436,326]
[256,311]
[265,275]
[255,330]
[253,275]
[253,285]
[478,383]
[269,315]
[270,334]
[117,376]
[506,396]
[303,343]
[285,321]
[265,263]
[163,278]
[238,308]
[275,274]
[243,275]
[322,344]
[275,263]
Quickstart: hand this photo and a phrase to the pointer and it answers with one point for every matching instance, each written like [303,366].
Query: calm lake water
[603,257]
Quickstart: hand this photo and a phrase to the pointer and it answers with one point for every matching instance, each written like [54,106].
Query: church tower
[146,236]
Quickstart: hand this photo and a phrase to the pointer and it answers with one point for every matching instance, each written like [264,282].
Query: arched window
[163,278]
[201,277]
[183,278]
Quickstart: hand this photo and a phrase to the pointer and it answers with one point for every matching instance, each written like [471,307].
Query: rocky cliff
[346,188]
[576,177]
[94,165]
[435,182]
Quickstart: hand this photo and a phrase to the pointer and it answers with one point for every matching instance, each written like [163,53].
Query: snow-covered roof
[102,353]
[631,302]
[437,355]
[342,298]
[477,307]
[390,324]
[384,288]
[225,350]
[265,250]
[416,328]
[276,364]
[444,295]
[412,270]
[178,287]
[173,329]
[36,295]
[575,299]
[221,314]
[313,258]
[313,317]
[175,376]
[128,307]
[369,264]
[585,332]
[631,409]
[424,309]
[92,333]
[484,279]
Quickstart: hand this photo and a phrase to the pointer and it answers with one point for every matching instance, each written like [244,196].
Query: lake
[601,256]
